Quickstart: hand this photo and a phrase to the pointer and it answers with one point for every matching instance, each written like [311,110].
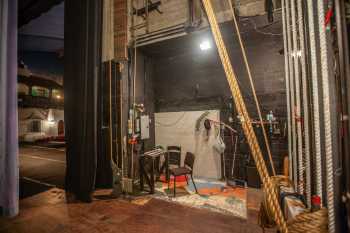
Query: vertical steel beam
[315,99]
[305,101]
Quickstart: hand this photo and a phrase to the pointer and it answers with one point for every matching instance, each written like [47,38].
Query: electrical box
[144,127]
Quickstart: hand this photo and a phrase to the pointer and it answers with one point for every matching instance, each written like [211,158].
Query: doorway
[60,127]
[42,155]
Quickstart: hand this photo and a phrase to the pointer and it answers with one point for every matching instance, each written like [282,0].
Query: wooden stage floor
[49,212]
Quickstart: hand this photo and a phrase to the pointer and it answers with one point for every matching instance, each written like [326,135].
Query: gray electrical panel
[144,127]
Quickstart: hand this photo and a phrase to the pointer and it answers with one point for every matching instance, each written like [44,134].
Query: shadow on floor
[28,188]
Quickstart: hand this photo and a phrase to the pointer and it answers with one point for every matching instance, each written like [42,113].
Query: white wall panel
[178,128]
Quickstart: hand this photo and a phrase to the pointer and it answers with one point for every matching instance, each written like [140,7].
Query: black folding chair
[187,169]
[174,155]
[172,159]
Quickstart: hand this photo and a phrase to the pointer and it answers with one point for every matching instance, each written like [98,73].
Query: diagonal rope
[252,86]
[271,195]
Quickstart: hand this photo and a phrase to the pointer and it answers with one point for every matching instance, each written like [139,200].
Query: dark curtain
[8,109]
[104,170]
[82,69]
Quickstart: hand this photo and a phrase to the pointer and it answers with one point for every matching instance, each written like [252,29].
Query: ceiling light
[205,45]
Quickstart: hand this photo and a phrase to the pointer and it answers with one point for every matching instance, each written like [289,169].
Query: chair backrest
[189,160]
[174,153]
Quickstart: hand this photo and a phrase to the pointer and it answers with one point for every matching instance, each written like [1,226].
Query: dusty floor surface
[49,212]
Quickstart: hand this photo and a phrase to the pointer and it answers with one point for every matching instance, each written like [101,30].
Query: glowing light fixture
[50,117]
[58,96]
[51,122]
[205,45]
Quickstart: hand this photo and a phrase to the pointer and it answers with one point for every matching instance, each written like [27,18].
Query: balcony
[26,101]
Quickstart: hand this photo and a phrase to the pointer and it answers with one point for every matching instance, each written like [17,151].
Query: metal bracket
[151,7]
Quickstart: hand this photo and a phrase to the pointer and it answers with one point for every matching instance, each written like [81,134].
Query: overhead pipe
[315,99]
[305,101]
[327,115]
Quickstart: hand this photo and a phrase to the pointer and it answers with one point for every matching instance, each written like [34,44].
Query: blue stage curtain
[8,109]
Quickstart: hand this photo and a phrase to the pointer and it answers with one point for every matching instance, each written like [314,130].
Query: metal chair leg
[194,183]
[186,179]
[169,184]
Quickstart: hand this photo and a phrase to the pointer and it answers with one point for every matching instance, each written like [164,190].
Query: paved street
[40,169]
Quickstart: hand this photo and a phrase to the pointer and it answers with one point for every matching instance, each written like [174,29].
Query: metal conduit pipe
[315,100]
[297,112]
[292,93]
[286,65]
[327,115]
[305,101]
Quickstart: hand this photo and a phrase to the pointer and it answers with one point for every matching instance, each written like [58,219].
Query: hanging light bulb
[50,117]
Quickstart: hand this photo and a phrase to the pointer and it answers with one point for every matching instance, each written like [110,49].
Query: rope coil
[270,184]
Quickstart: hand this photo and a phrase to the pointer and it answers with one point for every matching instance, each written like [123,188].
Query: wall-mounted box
[144,127]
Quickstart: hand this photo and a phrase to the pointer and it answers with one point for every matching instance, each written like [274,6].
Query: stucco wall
[49,127]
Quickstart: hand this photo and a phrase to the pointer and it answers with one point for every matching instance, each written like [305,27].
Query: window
[57,94]
[36,126]
[22,89]
[40,91]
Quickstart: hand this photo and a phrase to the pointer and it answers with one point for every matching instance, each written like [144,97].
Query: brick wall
[187,78]
[176,12]
[120,29]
